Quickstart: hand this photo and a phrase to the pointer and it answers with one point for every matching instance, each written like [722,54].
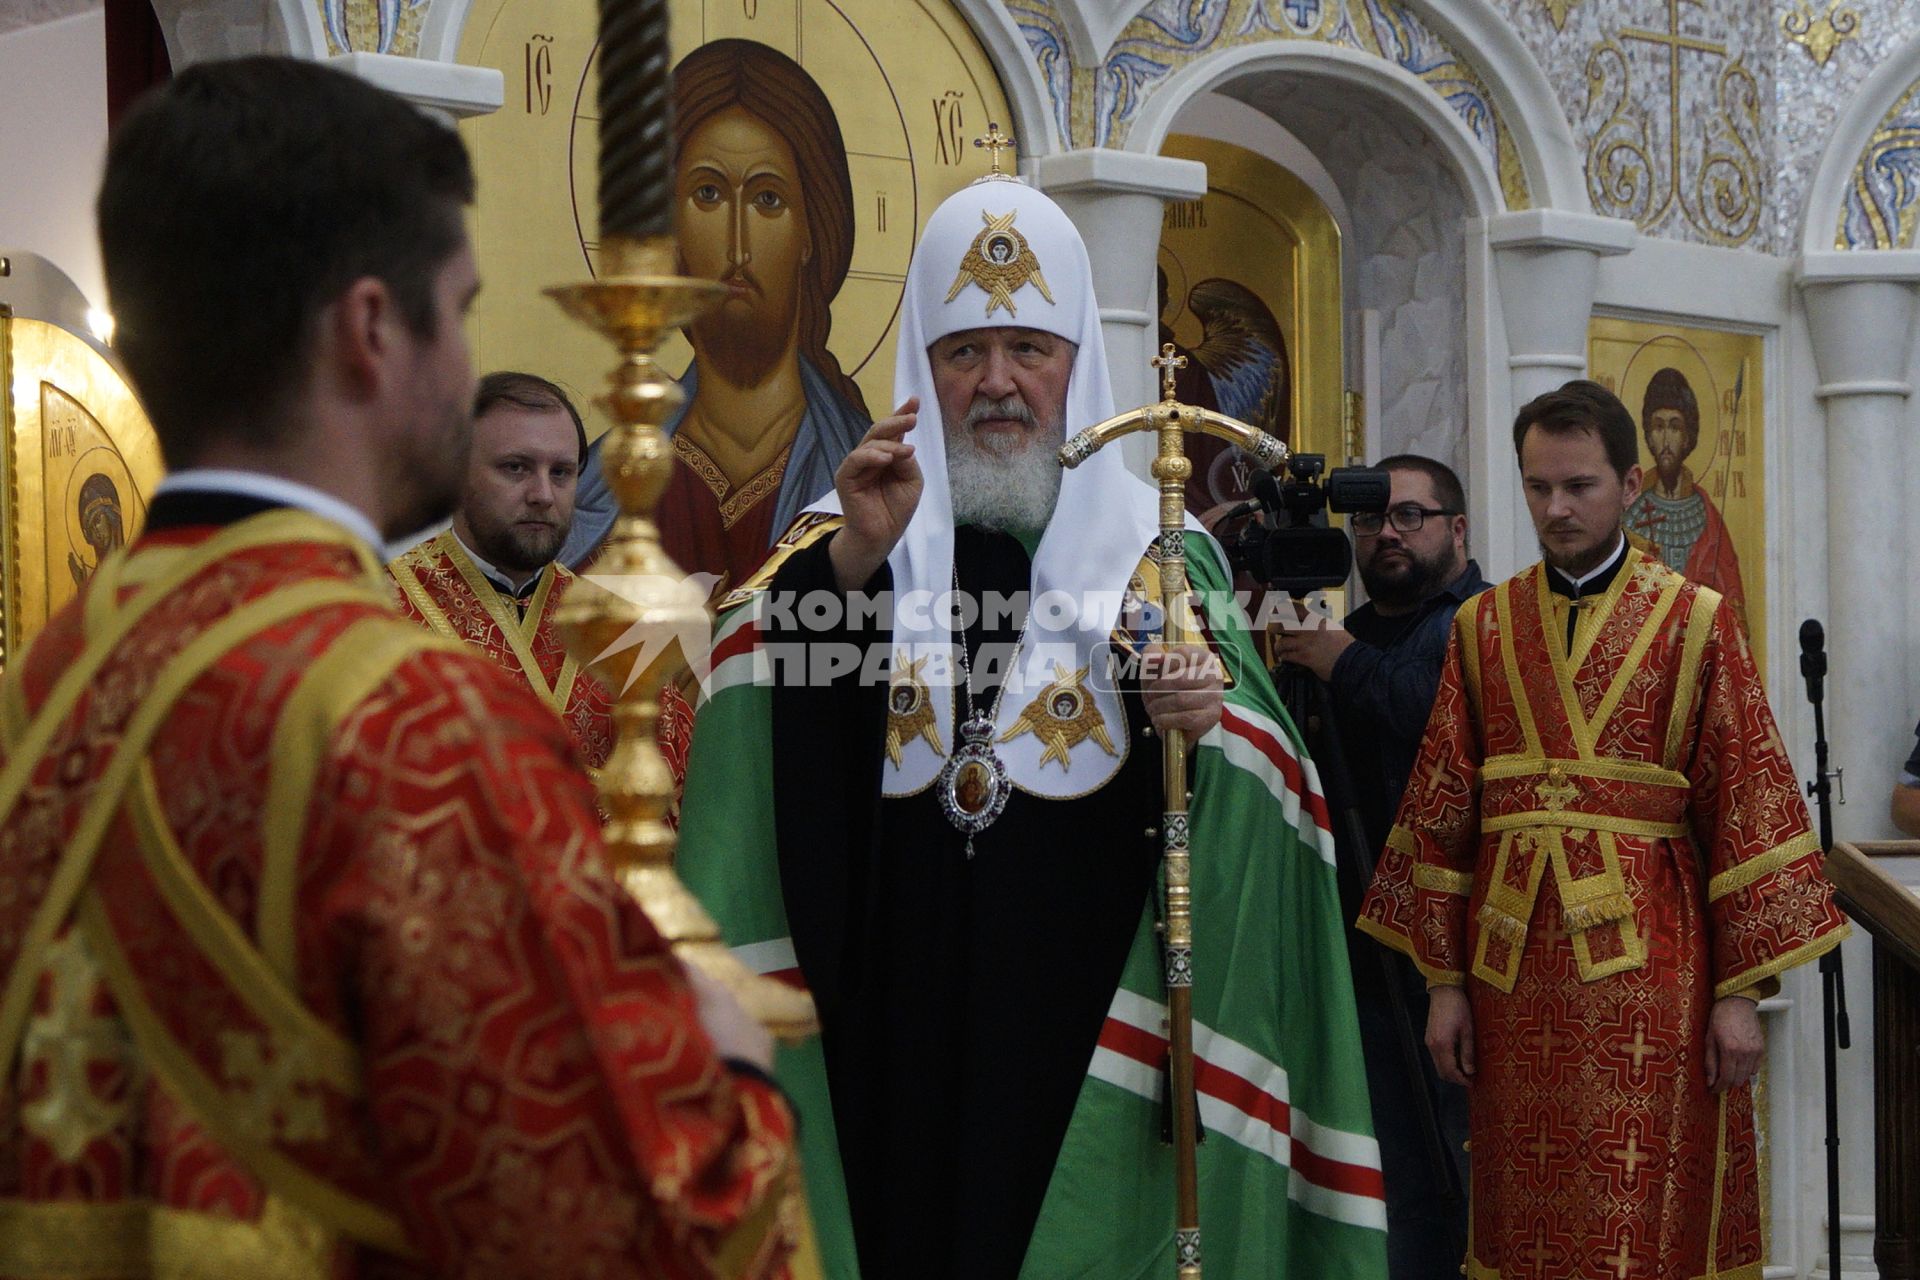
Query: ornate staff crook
[1171,421]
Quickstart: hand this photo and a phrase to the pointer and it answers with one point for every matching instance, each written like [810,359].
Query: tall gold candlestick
[636,119]
[638,300]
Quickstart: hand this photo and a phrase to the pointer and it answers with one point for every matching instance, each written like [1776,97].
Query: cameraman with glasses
[1383,672]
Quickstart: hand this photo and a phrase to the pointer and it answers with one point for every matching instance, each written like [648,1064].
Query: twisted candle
[636,119]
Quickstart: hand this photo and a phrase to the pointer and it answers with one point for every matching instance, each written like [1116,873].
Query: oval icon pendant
[974,785]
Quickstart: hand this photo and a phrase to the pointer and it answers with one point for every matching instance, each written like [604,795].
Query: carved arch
[1486,77]
[1864,194]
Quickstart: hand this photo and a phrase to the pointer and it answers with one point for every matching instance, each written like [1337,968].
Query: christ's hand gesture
[879,485]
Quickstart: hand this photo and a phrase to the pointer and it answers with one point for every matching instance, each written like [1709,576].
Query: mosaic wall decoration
[1820,33]
[1676,124]
[1790,123]
[1096,107]
[373,26]
[1811,97]
[1882,203]
[1557,10]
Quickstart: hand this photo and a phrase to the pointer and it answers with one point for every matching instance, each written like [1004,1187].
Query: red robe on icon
[1598,847]
[313,968]
[1711,560]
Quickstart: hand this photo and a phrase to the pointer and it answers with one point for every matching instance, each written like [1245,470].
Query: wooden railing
[1890,912]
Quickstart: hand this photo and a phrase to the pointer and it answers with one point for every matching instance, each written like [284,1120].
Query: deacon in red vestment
[1602,862]
[312,967]
[492,580]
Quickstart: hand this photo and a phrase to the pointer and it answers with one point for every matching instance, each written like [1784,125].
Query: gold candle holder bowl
[637,301]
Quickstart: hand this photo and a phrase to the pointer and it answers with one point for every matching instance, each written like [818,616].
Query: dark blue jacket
[1383,687]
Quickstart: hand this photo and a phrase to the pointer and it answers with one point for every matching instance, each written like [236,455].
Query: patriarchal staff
[947,822]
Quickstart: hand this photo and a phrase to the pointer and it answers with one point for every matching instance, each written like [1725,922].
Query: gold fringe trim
[1602,910]
[1501,925]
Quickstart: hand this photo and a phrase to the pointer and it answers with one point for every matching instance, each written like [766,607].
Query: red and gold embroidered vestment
[312,967]
[1599,841]
[438,585]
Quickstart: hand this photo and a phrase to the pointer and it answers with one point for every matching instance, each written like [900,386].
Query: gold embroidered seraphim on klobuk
[1063,716]
[909,709]
[1000,261]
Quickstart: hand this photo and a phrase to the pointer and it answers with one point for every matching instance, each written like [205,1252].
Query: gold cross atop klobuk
[995,142]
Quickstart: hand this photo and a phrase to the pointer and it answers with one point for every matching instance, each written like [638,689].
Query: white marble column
[1545,264]
[446,90]
[1861,309]
[1116,198]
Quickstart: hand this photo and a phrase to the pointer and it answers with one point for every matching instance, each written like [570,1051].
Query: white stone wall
[1405,254]
[53,138]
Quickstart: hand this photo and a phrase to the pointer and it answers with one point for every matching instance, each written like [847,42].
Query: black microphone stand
[1833,992]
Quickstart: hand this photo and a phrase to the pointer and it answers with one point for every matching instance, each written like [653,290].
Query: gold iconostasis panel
[1249,278]
[80,462]
[843,128]
[1698,398]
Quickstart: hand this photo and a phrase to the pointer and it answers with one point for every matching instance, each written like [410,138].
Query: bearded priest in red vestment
[312,966]
[491,580]
[1601,866]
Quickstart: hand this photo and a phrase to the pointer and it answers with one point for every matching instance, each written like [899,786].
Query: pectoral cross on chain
[1169,365]
[995,142]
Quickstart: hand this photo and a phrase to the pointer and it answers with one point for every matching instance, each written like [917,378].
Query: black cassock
[960,999]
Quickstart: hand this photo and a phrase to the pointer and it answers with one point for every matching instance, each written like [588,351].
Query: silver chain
[966,664]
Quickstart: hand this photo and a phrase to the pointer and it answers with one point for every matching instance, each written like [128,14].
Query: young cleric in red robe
[1601,865]
[312,967]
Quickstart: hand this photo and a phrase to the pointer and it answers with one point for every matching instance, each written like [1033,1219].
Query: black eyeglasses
[1406,518]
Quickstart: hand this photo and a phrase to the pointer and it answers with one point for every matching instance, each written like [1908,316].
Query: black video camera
[1293,549]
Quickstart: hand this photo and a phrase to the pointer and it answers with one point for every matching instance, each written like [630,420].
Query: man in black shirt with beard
[1382,672]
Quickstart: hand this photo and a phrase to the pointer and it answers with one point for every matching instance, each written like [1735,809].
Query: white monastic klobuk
[1106,516]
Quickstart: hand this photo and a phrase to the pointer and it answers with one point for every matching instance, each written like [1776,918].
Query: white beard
[1012,492]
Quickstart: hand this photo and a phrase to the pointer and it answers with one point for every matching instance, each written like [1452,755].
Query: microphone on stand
[1813,659]
[1833,993]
